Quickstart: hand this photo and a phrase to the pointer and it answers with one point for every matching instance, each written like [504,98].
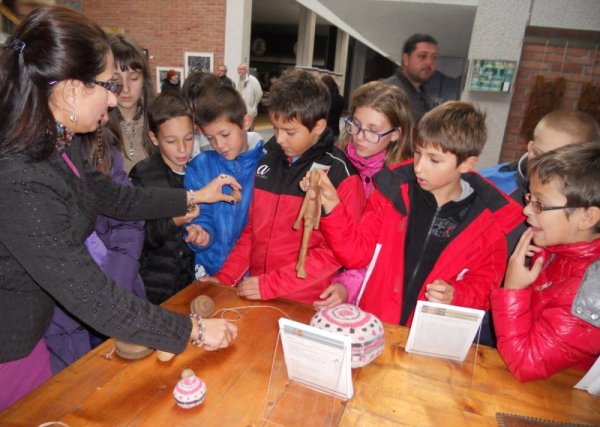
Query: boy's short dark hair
[222,101]
[577,167]
[299,95]
[197,84]
[455,126]
[411,43]
[166,106]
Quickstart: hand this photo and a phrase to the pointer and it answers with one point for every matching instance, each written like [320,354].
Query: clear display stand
[304,387]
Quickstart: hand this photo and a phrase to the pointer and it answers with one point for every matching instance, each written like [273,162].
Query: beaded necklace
[130,128]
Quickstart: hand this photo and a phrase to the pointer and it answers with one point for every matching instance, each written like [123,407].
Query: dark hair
[411,43]
[299,95]
[456,127]
[391,101]
[166,106]
[128,55]
[222,101]
[97,147]
[331,85]
[577,167]
[59,44]
[197,84]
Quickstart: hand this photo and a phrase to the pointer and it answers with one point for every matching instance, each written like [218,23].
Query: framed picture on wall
[492,75]
[161,74]
[202,61]
[72,4]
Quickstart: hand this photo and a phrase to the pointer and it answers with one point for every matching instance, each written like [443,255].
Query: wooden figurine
[310,212]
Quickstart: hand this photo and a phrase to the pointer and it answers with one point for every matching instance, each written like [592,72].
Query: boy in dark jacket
[167,264]
[268,247]
[433,229]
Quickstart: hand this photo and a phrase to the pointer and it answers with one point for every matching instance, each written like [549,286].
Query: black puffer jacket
[167,264]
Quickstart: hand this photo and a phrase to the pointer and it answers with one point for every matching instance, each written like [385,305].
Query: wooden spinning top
[202,305]
[190,391]
[130,351]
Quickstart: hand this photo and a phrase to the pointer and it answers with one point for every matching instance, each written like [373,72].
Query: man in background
[249,87]
[419,62]
[222,74]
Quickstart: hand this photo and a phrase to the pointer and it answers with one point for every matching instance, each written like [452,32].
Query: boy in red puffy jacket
[537,334]
[433,229]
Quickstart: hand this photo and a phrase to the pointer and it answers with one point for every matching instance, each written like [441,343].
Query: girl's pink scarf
[367,167]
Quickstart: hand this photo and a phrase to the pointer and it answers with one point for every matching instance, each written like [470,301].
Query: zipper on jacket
[433,220]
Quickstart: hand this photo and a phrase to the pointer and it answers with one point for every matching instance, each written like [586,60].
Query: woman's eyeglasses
[354,128]
[538,207]
[113,86]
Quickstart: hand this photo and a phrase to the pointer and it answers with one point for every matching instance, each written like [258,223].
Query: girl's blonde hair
[391,101]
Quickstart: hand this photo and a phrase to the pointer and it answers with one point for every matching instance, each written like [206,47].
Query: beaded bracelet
[192,203]
[201,330]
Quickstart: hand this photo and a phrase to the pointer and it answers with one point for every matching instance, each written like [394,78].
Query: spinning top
[237,195]
[202,305]
[130,351]
[190,391]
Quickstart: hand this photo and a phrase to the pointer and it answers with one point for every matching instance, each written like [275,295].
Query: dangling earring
[72,115]
[100,147]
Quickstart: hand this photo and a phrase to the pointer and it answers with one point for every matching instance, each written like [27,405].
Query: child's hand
[439,291]
[209,279]
[248,288]
[213,191]
[335,294]
[518,275]
[180,220]
[196,235]
[329,196]
[218,333]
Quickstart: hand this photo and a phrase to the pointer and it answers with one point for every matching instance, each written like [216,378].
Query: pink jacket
[537,334]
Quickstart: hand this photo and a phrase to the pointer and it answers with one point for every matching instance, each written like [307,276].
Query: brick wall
[167,29]
[577,65]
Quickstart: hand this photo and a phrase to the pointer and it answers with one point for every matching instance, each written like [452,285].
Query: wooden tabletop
[398,388]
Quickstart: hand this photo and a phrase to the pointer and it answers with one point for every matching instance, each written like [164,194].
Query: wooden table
[399,388]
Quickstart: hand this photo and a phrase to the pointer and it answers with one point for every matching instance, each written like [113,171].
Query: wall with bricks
[576,65]
[165,28]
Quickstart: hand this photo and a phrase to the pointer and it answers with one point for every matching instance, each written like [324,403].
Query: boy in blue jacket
[224,121]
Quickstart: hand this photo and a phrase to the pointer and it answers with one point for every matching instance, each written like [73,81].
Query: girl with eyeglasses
[378,133]
[56,83]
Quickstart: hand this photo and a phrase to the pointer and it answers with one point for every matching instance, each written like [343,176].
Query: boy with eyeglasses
[433,229]
[537,333]
[268,247]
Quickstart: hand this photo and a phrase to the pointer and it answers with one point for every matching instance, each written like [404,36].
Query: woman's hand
[518,275]
[218,333]
[196,235]
[328,193]
[213,191]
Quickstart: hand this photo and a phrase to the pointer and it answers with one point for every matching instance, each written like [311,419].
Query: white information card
[317,359]
[443,330]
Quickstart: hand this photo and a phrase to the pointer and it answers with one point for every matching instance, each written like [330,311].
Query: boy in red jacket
[537,334]
[433,229]
[268,247]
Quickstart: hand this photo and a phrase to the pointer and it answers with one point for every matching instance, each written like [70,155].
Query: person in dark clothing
[56,82]
[171,82]
[167,264]
[336,105]
[223,79]
[419,62]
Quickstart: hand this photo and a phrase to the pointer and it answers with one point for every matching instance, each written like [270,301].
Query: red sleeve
[535,348]
[482,275]
[321,263]
[353,242]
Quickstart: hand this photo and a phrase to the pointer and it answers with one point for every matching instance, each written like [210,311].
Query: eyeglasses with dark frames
[538,207]
[354,128]
[113,86]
